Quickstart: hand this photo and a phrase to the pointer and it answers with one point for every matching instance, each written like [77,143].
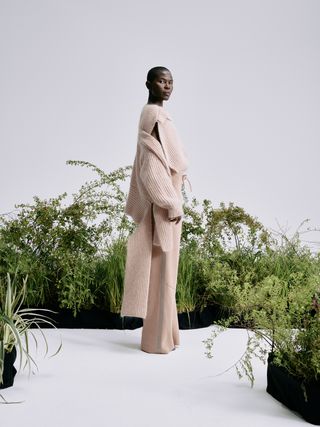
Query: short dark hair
[154,72]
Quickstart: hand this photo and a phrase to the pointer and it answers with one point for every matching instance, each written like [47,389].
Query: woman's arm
[155,132]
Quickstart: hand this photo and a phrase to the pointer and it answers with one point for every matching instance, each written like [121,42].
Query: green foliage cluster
[16,323]
[192,279]
[61,247]
[74,254]
[229,243]
[281,314]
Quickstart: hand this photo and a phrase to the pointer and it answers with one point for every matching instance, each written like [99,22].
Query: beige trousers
[160,332]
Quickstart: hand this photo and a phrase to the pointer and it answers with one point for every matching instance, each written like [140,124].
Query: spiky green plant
[17,324]
[192,279]
[109,276]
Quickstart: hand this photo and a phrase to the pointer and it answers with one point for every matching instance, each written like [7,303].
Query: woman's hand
[177,219]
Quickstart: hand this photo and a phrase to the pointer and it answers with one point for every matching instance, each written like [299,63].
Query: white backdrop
[246,97]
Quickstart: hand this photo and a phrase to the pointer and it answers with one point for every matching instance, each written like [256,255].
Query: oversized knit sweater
[154,196]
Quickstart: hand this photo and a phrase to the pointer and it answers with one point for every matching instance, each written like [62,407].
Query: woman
[155,204]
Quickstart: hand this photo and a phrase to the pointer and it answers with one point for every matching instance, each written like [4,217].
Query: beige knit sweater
[155,189]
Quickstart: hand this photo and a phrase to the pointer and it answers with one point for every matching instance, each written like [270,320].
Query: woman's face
[161,87]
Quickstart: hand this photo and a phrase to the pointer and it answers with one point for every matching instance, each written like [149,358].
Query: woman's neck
[152,100]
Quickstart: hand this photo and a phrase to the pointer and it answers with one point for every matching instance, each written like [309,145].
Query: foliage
[109,276]
[56,244]
[280,311]
[253,348]
[74,254]
[229,242]
[74,288]
[104,196]
[74,257]
[16,323]
[219,248]
[192,279]
[218,230]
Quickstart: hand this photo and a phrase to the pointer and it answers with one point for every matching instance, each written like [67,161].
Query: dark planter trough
[9,371]
[102,319]
[291,392]
[200,319]
[94,319]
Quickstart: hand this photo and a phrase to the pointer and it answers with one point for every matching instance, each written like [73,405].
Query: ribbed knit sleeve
[158,184]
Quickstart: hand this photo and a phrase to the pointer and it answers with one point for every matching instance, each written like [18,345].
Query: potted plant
[16,327]
[293,375]
[283,324]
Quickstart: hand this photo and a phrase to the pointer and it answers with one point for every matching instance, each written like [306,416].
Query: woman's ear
[148,84]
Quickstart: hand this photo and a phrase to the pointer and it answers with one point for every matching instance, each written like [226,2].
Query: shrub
[280,311]
[56,245]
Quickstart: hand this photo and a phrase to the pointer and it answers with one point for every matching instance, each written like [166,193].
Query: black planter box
[200,319]
[288,390]
[9,371]
[93,319]
[102,319]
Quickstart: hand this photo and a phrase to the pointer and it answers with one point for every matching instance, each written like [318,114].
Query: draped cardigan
[153,199]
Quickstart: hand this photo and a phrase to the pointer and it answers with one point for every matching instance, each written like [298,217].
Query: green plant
[56,244]
[219,230]
[74,253]
[281,316]
[75,288]
[192,279]
[16,323]
[109,276]
[104,196]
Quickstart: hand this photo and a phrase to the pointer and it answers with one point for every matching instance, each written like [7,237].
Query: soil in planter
[9,371]
[288,390]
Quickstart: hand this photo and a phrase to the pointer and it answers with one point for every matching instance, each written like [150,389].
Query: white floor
[101,378]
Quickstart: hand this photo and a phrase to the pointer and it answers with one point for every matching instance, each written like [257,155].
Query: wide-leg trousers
[160,332]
